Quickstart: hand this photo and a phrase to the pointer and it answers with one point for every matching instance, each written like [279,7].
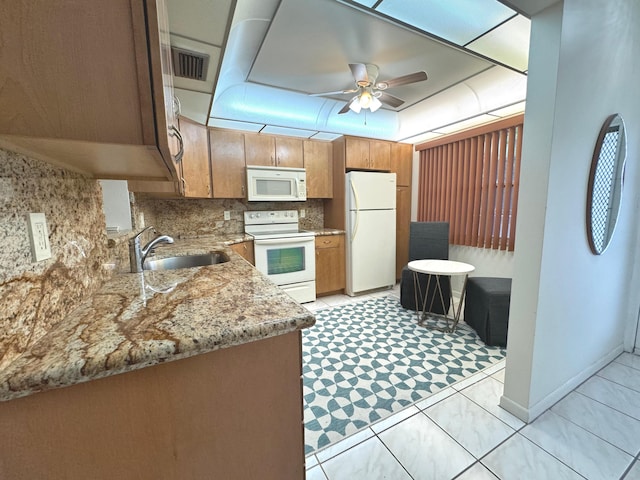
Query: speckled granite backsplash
[36,296]
[201,217]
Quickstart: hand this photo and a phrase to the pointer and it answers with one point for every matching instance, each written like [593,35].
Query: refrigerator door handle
[357,202]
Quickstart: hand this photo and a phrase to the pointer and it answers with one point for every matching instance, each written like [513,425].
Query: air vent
[188,64]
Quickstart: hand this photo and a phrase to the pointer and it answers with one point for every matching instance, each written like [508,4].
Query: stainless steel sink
[186,261]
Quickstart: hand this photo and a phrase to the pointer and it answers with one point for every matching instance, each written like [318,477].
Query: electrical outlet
[227,215]
[303,213]
[39,237]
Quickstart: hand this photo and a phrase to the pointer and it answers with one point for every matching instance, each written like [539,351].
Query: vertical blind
[471,180]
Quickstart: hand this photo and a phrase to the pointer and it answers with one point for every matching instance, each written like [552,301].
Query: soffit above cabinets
[199,26]
[278,52]
[202,20]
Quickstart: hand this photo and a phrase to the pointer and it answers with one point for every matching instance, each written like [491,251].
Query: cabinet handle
[184,185]
[177,107]
[176,133]
[243,190]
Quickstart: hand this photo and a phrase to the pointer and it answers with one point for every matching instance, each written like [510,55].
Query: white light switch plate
[227,215]
[39,237]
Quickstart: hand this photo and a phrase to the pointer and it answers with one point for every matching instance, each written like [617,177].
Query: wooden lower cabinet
[330,264]
[232,414]
[245,249]
[403,221]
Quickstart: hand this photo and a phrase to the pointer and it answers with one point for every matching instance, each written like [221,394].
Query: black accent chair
[427,240]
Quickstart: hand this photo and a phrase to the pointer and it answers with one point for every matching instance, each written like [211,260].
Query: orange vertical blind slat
[472,182]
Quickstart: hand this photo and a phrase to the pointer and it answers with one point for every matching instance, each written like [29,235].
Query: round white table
[434,269]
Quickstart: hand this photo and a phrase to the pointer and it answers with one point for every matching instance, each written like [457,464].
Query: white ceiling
[277,52]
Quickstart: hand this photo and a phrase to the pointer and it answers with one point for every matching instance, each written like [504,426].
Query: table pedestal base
[424,316]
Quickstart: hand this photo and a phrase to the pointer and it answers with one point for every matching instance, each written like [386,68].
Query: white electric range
[284,252]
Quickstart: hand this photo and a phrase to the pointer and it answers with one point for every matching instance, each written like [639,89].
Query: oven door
[286,260]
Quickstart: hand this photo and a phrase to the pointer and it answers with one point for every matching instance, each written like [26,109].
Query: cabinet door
[259,149]
[403,220]
[195,165]
[228,171]
[81,84]
[69,71]
[379,155]
[167,120]
[357,153]
[289,152]
[402,163]
[245,249]
[319,166]
[330,264]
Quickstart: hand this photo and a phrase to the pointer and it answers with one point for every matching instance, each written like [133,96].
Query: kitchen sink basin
[186,261]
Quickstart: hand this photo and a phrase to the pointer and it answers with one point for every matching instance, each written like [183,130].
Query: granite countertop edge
[128,325]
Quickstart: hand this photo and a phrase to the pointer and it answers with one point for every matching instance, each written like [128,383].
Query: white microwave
[276,184]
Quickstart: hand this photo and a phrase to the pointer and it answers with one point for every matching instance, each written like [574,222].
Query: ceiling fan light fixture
[354,105]
[375,104]
[365,99]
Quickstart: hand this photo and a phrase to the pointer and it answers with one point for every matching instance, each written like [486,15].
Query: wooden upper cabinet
[357,153]
[81,85]
[273,151]
[228,171]
[169,139]
[195,166]
[260,149]
[365,154]
[380,155]
[289,152]
[402,162]
[318,164]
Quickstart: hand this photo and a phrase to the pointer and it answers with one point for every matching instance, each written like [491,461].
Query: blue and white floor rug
[364,361]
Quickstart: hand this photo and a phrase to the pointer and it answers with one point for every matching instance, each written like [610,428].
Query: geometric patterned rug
[364,361]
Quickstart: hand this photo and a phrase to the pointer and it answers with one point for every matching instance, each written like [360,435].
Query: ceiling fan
[370,94]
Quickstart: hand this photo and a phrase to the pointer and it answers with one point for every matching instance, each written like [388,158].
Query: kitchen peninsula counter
[220,397]
[138,320]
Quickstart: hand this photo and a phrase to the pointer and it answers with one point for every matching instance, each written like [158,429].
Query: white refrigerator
[371,231]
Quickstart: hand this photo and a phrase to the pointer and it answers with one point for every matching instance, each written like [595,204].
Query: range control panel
[270,216]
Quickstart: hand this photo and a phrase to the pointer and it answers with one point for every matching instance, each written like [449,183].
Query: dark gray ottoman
[486,308]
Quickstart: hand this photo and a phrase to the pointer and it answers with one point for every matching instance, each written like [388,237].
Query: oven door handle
[280,241]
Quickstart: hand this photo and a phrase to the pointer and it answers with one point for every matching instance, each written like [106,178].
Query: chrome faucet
[137,254]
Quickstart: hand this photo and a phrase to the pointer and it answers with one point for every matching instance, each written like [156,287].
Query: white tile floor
[462,433]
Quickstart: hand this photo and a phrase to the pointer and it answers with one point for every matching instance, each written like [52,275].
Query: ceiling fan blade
[345,109]
[337,92]
[359,72]
[389,99]
[404,80]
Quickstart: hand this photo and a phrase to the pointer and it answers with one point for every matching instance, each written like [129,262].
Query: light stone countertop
[130,323]
[328,231]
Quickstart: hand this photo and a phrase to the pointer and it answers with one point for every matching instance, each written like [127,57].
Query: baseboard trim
[530,414]
[514,408]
